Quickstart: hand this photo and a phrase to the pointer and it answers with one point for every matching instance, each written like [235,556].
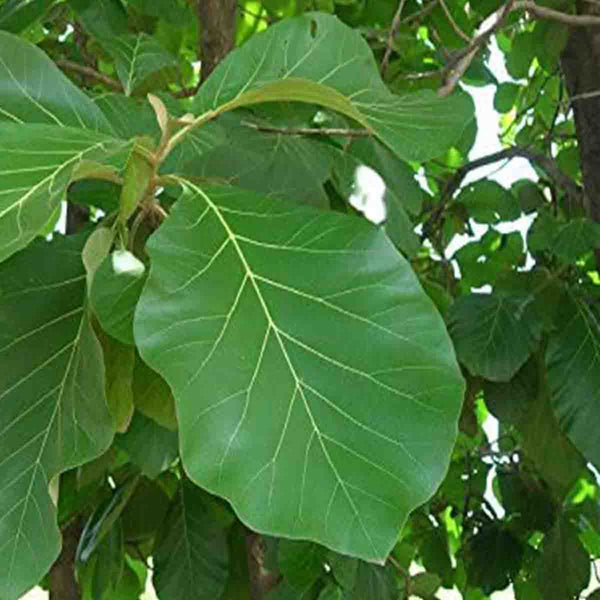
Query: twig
[390,41]
[308,130]
[187,92]
[89,72]
[420,13]
[585,96]
[574,192]
[542,12]
[459,32]
[456,68]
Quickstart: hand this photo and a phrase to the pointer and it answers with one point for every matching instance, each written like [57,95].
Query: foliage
[226,373]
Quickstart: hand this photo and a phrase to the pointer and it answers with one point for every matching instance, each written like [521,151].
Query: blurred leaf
[300,562]
[488,202]
[573,356]
[564,566]
[16,15]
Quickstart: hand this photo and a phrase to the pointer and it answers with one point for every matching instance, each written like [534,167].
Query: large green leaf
[317,59]
[54,414]
[493,334]
[190,554]
[313,377]
[36,165]
[33,90]
[573,359]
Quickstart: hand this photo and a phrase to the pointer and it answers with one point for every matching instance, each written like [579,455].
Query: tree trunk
[580,64]
[63,584]
[217,19]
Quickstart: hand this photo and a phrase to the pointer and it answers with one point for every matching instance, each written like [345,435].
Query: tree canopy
[258,308]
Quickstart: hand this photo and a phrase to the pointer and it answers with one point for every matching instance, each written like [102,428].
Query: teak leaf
[54,414]
[317,59]
[35,91]
[36,165]
[315,383]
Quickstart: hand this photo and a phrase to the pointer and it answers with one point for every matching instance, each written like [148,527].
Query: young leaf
[114,296]
[36,164]
[54,414]
[305,330]
[317,59]
[34,90]
[190,553]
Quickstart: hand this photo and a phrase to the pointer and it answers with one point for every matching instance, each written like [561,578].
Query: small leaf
[114,295]
[96,249]
[118,362]
[488,202]
[424,585]
[142,64]
[495,558]
[137,179]
[264,309]
[575,239]
[160,110]
[374,583]
[190,554]
[331,592]
[301,563]
[493,334]
[151,447]
[344,569]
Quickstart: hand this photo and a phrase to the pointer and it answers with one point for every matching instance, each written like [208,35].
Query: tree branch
[308,130]
[542,12]
[90,73]
[217,22]
[390,41]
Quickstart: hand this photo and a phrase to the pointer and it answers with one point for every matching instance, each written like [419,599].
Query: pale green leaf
[190,553]
[317,59]
[493,334]
[152,395]
[573,359]
[33,90]
[96,249]
[306,330]
[118,362]
[36,165]
[114,296]
[142,64]
[54,414]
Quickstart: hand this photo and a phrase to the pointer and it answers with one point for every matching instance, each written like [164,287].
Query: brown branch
[308,130]
[63,583]
[542,12]
[390,41]
[461,61]
[420,14]
[548,165]
[89,72]
[459,32]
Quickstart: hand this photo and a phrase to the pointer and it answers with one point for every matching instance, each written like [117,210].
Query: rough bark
[261,580]
[217,19]
[63,584]
[580,64]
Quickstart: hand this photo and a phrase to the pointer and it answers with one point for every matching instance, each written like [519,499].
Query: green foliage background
[228,379]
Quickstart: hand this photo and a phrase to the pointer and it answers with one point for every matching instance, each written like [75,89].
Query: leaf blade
[258,305]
